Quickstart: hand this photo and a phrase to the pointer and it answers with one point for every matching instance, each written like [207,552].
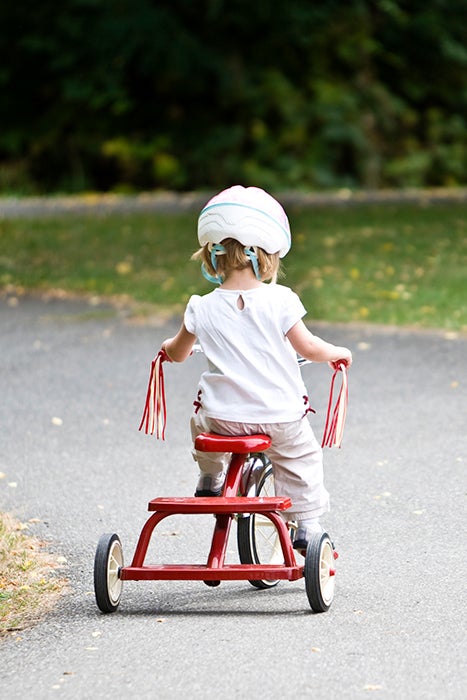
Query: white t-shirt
[253,375]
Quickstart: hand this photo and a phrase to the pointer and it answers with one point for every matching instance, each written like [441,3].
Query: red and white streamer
[154,417]
[335,418]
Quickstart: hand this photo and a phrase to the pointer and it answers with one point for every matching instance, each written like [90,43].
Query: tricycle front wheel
[257,537]
[107,565]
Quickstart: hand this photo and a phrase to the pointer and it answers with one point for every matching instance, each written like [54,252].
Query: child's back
[253,374]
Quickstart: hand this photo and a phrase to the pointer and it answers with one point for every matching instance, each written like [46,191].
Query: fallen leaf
[124,267]
[385,494]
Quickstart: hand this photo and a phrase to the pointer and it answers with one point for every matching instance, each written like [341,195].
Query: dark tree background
[186,94]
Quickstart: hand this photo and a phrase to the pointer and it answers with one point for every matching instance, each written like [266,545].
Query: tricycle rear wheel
[319,572]
[107,565]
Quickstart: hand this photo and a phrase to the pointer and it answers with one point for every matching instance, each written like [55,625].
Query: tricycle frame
[224,508]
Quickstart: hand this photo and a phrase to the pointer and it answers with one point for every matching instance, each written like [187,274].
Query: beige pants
[295,454]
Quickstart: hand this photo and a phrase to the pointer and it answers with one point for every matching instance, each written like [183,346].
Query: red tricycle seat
[237,444]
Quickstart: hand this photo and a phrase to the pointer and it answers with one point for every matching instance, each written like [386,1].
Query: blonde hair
[235,258]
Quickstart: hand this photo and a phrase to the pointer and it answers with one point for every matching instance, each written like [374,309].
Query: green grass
[403,265]
[399,264]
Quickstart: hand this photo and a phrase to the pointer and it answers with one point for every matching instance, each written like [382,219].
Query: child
[250,333]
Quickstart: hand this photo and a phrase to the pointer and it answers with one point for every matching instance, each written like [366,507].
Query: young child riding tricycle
[250,419]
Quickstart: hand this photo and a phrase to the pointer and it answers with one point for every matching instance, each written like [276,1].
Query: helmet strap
[250,253]
[210,278]
[215,250]
[218,249]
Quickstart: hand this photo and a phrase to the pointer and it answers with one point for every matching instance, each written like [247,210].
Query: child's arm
[311,347]
[180,346]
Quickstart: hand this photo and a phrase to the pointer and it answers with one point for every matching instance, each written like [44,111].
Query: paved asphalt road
[397,625]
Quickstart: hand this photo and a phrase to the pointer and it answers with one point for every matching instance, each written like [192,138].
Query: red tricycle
[264,539]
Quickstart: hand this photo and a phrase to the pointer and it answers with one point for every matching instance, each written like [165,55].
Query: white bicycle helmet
[249,215]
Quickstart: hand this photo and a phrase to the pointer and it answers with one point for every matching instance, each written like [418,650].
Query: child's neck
[241,279]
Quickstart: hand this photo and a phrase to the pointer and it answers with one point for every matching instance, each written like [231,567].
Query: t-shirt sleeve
[292,311]
[189,318]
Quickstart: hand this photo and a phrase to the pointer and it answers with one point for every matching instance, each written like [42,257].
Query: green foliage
[109,94]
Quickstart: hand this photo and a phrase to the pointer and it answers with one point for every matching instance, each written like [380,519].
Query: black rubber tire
[250,546]
[318,571]
[107,564]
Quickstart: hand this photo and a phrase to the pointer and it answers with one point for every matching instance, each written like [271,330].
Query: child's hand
[345,358]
